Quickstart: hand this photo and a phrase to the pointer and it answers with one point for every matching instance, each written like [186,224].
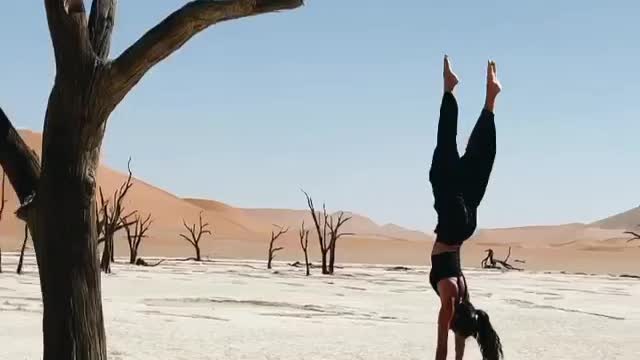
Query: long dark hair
[469,321]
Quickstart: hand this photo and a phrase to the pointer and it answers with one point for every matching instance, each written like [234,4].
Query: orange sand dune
[571,235]
[360,225]
[629,220]
[245,233]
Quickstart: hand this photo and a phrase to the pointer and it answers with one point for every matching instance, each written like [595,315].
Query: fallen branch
[490,263]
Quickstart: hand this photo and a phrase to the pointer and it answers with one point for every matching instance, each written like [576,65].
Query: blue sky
[341,98]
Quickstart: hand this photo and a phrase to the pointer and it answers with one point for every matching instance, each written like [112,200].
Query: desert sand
[240,233]
[232,310]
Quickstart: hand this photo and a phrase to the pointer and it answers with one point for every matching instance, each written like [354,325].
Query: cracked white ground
[239,310]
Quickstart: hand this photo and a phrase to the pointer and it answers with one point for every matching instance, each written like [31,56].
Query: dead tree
[58,199]
[194,235]
[304,244]
[635,235]
[328,232]
[320,220]
[136,235]
[22,249]
[334,232]
[490,263]
[111,219]
[274,237]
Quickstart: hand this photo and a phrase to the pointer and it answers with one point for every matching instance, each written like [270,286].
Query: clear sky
[341,98]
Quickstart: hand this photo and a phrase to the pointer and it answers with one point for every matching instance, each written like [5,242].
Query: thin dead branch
[111,219]
[136,234]
[304,244]
[274,237]
[194,235]
[490,263]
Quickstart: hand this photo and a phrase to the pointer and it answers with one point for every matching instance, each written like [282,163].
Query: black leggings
[459,183]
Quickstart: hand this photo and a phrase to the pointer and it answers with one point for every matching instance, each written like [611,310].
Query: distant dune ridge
[243,233]
[627,220]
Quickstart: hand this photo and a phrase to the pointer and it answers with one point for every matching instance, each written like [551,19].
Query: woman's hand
[448,290]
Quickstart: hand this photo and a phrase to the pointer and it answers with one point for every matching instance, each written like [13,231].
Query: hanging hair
[468,321]
[488,339]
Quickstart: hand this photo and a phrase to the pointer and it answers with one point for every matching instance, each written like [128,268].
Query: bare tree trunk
[24,246]
[334,231]
[135,236]
[325,268]
[194,234]
[270,254]
[105,262]
[332,257]
[272,251]
[133,255]
[73,323]
[58,199]
[304,244]
[306,262]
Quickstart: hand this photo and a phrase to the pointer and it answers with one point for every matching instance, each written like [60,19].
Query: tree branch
[636,236]
[101,21]
[67,21]
[188,239]
[55,18]
[19,162]
[175,30]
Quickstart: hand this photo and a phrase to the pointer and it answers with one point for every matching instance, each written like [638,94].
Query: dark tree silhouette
[22,249]
[304,244]
[136,232]
[635,235]
[321,225]
[274,237]
[3,200]
[328,232]
[58,199]
[194,235]
[334,231]
[111,219]
[490,263]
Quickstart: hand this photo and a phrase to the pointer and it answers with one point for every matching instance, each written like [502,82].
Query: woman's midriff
[439,248]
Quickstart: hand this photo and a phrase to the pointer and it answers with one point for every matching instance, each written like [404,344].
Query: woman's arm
[459,347]
[444,318]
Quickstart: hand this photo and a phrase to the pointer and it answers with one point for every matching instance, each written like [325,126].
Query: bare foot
[450,78]
[493,86]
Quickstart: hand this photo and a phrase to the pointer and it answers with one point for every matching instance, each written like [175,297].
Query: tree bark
[325,269]
[58,198]
[24,246]
[107,254]
[270,256]
[332,257]
[306,262]
[73,325]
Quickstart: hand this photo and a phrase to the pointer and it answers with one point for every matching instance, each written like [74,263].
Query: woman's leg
[477,161]
[445,156]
